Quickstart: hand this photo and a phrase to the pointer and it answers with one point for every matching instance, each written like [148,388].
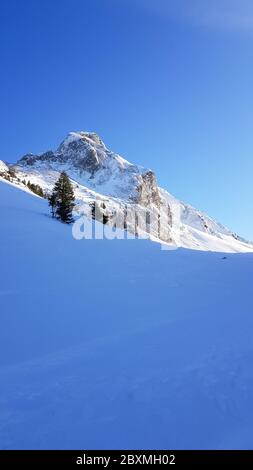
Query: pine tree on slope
[62,199]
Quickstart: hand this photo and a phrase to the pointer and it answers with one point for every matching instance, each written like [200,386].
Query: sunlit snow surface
[119,344]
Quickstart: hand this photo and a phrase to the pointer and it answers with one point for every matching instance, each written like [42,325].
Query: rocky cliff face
[147,191]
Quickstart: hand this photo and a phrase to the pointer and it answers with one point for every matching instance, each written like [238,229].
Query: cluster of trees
[62,202]
[35,188]
[9,175]
[62,199]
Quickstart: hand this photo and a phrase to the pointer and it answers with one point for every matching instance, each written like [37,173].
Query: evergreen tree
[105,219]
[93,210]
[62,199]
[52,202]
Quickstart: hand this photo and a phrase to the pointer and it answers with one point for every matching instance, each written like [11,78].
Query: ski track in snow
[118,344]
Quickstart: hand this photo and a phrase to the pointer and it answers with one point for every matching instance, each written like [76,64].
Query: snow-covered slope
[3,167]
[119,344]
[101,175]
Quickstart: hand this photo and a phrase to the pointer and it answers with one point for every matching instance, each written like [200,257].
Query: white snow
[3,167]
[119,344]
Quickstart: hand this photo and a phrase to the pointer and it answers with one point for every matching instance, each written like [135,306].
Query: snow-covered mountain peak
[88,161]
[99,174]
[81,139]
[84,150]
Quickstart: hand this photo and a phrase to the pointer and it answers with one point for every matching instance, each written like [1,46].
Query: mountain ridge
[98,174]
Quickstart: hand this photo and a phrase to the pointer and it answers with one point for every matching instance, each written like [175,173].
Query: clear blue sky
[166,83]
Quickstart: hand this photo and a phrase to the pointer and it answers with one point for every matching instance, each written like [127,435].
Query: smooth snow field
[119,344]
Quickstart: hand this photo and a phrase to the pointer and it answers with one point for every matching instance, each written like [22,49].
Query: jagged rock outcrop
[148,192]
